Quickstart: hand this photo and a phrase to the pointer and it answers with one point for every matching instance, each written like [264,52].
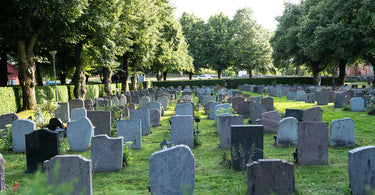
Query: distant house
[12,75]
[359,71]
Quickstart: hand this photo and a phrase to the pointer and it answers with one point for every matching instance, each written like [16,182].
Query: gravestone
[224,128]
[101,103]
[223,97]
[270,121]
[131,131]
[207,107]
[246,145]
[2,174]
[339,100]
[143,102]
[310,98]
[267,103]
[20,128]
[287,132]
[182,129]
[256,109]
[361,170]
[322,97]
[71,167]
[300,95]
[114,101]
[75,103]
[78,113]
[62,112]
[41,145]
[122,99]
[342,133]
[154,117]
[164,101]
[172,171]
[89,104]
[244,109]
[131,106]
[291,95]
[106,153]
[101,120]
[225,106]
[185,109]
[270,176]
[79,133]
[357,104]
[156,105]
[331,96]
[314,114]
[236,101]
[144,116]
[312,143]
[296,113]
[6,119]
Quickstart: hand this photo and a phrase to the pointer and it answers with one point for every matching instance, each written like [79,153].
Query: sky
[265,11]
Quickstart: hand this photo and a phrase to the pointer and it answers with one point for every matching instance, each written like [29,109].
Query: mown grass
[212,176]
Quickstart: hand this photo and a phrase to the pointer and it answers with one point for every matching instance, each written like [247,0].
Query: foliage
[44,111]
[8,95]
[371,110]
[229,110]
[6,138]
[127,155]
[93,91]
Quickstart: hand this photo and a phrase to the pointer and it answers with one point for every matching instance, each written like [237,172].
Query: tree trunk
[297,70]
[107,74]
[79,75]
[27,68]
[219,74]
[190,75]
[342,66]
[315,69]
[125,73]
[250,72]
[158,74]
[165,75]
[133,78]
[39,80]
[3,69]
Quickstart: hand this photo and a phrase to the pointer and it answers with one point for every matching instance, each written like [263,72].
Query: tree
[218,43]
[28,20]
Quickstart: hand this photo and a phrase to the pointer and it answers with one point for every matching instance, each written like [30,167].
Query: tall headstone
[71,167]
[314,114]
[41,145]
[182,129]
[101,121]
[267,103]
[131,131]
[62,112]
[270,121]
[144,116]
[342,133]
[78,113]
[312,143]
[256,110]
[106,153]
[270,176]
[361,169]
[287,132]
[172,171]
[20,128]
[6,119]
[246,145]
[79,133]
[154,117]
[164,101]
[244,108]
[339,100]
[224,128]
[76,103]
[357,104]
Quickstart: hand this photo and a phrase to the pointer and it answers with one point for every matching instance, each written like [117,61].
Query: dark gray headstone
[106,153]
[270,176]
[101,121]
[79,133]
[224,128]
[236,101]
[256,109]
[339,100]
[89,104]
[267,103]
[6,119]
[131,131]
[244,109]
[101,103]
[270,121]
[154,117]
[144,116]
[314,114]
[296,113]
[182,129]
[312,143]
[310,98]
[71,167]
[247,145]
[361,169]
[156,105]
[172,171]
[287,132]
[322,97]
[342,133]
[76,103]
[41,145]
[20,128]
[62,112]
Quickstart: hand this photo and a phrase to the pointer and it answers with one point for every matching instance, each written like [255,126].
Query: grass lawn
[212,176]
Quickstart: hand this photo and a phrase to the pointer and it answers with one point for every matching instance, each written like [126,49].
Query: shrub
[6,138]
[8,95]
[92,91]
[127,154]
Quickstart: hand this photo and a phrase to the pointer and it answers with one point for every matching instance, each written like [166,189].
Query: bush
[8,100]
[92,91]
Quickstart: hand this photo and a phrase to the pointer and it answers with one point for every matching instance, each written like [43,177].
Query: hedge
[8,100]
[92,91]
